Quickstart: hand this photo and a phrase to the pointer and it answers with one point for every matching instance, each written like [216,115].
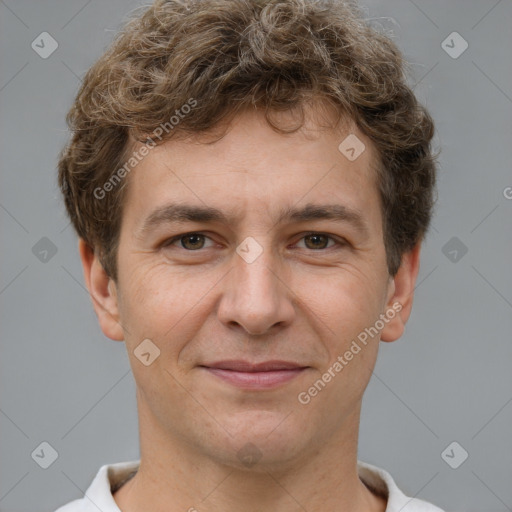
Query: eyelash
[170,241]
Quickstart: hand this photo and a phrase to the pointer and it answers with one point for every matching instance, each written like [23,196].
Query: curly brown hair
[222,56]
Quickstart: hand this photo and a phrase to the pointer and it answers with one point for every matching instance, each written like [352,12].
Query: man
[250,182]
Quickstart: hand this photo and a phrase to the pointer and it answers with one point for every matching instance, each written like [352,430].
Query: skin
[301,300]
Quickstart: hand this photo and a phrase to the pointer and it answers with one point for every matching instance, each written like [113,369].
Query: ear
[103,292]
[401,294]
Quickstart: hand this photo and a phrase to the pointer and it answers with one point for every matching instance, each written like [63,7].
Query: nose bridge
[255,278]
[255,297]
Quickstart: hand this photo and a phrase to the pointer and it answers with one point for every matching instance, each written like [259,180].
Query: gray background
[448,379]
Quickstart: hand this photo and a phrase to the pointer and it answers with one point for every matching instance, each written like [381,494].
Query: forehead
[253,167]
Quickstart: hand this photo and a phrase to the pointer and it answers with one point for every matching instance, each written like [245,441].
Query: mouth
[265,375]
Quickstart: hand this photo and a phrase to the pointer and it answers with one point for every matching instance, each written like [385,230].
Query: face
[252,264]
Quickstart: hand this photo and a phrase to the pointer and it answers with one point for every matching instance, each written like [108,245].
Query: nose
[256,296]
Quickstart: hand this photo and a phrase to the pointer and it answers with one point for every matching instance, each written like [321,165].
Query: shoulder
[99,493]
[73,506]
[381,482]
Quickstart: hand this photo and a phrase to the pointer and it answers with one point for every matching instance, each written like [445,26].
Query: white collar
[99,493]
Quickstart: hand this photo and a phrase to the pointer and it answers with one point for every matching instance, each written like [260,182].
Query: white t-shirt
[111,476]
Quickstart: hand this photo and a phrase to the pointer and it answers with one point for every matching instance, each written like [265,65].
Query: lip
[265,375]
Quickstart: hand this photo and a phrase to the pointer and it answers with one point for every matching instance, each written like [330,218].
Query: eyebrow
[191,213]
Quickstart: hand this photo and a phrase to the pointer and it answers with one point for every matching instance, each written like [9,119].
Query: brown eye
[316,241]
[189,241]
[192,242]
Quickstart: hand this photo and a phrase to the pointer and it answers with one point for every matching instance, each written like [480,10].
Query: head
[246,117]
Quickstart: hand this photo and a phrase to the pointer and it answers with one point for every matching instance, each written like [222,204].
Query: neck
[174,477]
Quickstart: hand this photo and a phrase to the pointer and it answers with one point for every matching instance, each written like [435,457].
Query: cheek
[344,302]
[345,313]
[164,306]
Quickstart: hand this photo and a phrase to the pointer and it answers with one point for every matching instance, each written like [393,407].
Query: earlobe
[103,292]
[400,298]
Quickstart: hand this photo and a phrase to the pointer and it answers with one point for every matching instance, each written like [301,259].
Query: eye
[196,241]
[188,241]
[317,241]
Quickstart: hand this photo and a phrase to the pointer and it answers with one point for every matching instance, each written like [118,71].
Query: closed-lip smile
[264,375]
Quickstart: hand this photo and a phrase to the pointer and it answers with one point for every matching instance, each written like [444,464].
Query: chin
[264,440]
